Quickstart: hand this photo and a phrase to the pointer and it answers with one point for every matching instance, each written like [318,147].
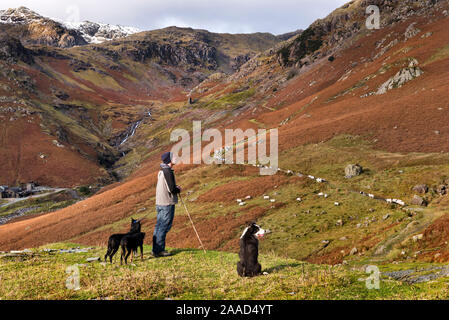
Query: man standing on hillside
[166,198]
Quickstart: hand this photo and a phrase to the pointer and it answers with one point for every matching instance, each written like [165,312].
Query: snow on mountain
[91,32]
[94,32]
[19,15]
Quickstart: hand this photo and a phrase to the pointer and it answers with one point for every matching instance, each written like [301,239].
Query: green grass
[228,101]
[191,274]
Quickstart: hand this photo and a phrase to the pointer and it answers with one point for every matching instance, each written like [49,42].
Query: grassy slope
[191,274]
[299,228]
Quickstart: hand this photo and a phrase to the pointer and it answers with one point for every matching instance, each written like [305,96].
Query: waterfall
[133,131]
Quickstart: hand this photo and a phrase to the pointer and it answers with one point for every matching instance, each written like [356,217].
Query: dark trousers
[165,215]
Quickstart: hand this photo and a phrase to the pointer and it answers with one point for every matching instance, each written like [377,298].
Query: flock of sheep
[321,194]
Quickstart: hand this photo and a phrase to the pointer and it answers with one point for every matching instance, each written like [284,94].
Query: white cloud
[234,16]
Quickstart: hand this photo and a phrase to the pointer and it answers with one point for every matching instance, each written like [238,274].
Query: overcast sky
[233,16]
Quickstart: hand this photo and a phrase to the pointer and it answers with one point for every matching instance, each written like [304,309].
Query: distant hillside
[85,102]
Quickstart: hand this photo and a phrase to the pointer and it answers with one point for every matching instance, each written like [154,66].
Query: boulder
[93,259]
[399,79]
[353,170]
[442,190]
[417,200]
[421,188]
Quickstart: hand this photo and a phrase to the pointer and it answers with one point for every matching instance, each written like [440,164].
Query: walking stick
[191,221]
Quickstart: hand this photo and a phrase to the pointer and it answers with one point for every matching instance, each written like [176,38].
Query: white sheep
[298,199]
[239,200]
[371,195]
[266,197]
[320,180]
[337,203]
[311,177]
[320,194]
[242,203]
[248,197]
[273,200]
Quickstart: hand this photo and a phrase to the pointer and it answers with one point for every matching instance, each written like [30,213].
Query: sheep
[298,199]
[242,203]
[239,200]
[337,203]
[311,177]
[371,195]
[266,197]
[320,194]
[273,200]
[320,180]
[248,197]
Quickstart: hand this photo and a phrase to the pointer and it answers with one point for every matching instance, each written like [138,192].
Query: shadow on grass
[281,267]
[176,251]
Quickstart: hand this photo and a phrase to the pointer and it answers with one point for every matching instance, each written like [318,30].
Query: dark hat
[167,157]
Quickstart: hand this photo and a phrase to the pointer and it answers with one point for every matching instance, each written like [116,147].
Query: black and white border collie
[248,266]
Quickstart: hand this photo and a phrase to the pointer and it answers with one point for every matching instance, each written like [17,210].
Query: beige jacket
[163,195]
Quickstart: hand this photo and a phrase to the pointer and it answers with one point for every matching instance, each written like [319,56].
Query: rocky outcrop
[325,36]
[411,31]
[196,53]
[399,79]
[240,60]
[36,29]
[12,50]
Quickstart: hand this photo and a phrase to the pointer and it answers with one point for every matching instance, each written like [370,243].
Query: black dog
[248,266]
[115,239]
[129,244]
